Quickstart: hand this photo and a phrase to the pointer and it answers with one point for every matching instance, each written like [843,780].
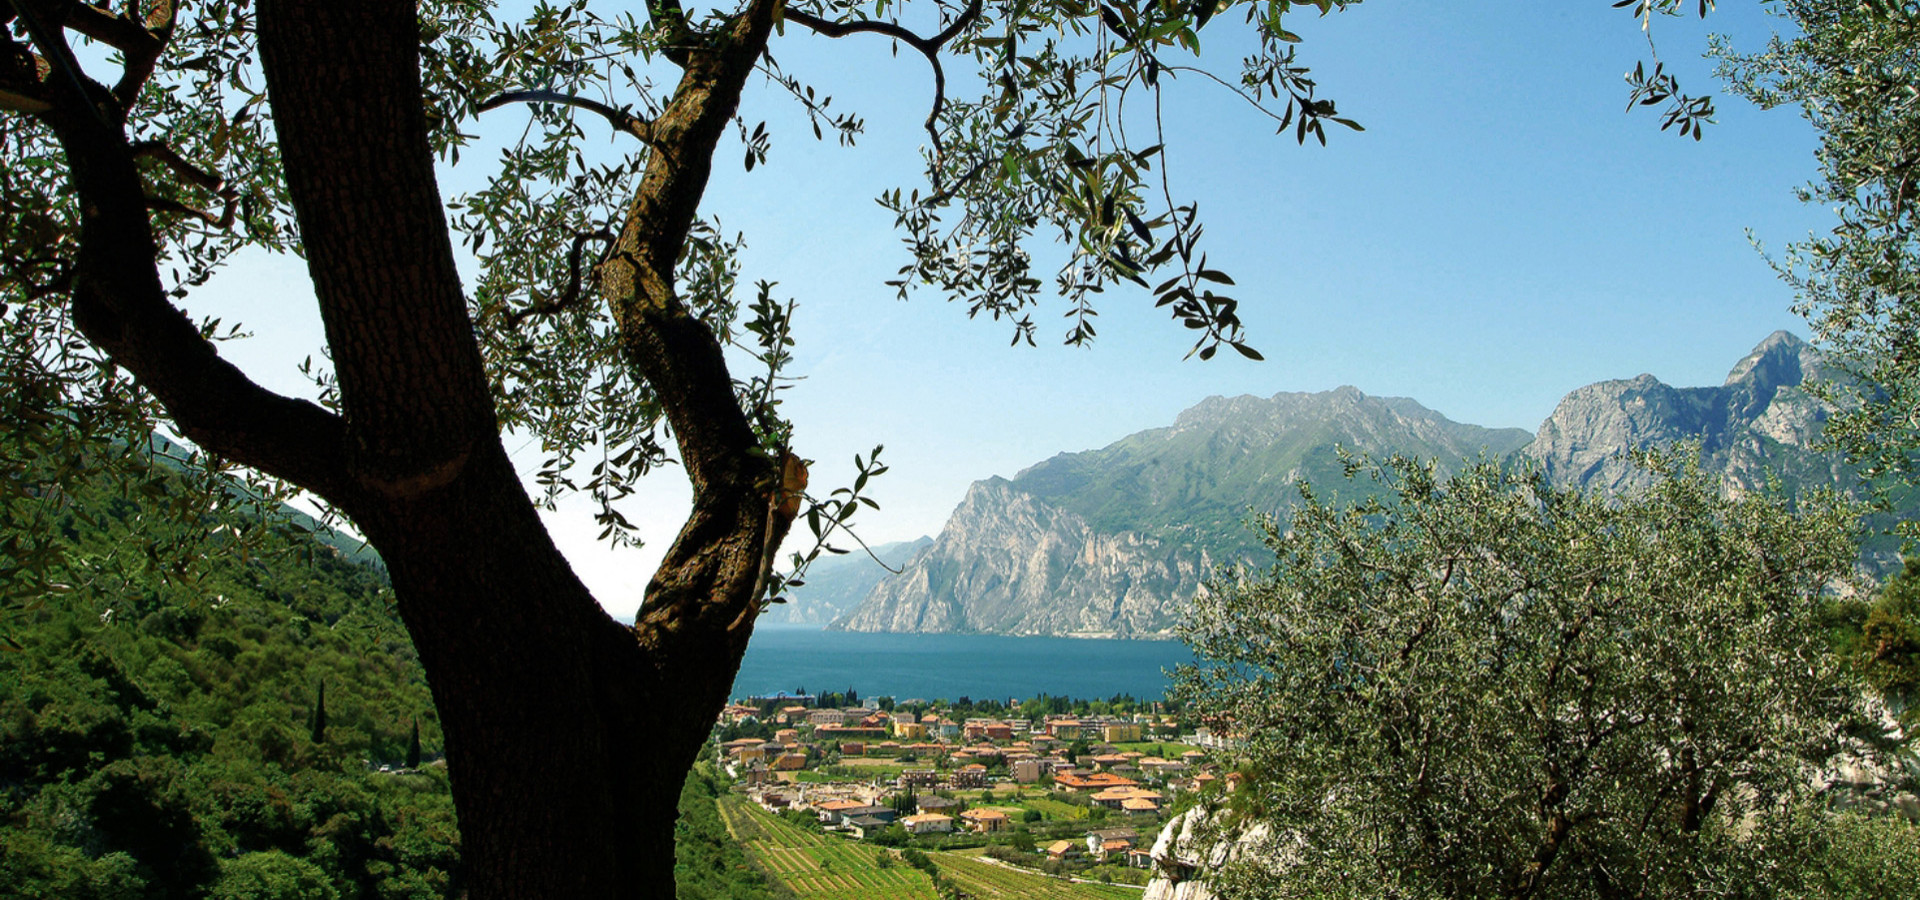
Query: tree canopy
[1487,687]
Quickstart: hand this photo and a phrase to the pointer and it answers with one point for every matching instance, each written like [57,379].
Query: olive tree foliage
[1489,687]
[1062,142]
[1854,72]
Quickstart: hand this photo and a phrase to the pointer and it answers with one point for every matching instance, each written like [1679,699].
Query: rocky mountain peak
[1761,404]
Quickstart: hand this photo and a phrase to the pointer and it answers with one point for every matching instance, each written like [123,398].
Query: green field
[819,865]
[1054,809]
[1172,748]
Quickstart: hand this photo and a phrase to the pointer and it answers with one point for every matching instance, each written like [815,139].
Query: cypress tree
[320,715]
[413,747]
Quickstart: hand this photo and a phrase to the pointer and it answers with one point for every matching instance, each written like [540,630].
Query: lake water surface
[949,666]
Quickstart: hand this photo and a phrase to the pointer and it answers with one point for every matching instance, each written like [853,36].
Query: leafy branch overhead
[1061,156]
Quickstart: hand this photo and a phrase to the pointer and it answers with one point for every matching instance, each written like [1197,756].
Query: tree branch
[572,296]
[621,120]
[201,177]
[928,47]
[140,39]
[118,302]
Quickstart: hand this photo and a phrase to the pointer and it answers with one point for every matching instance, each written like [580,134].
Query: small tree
[413,747]
[317,726]
[1486,687]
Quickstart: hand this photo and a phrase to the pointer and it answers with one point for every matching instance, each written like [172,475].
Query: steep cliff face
[837,584]
[1009,563]
[1760,421]
[1114,542]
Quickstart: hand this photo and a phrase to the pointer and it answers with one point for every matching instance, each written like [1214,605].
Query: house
[832,812]
[787,735]
[1028,771]
[1065,729]
[935,803]
[864,827]
[1139,858]
[1115,733]
[910,731]
[1128,799]
[781,699]
[1063,850]
[789,762]
[883,813]
[985,821]
[821,717]
[928,823]
[970,776]
[1140,806]
[917,778]
[825,732]
[1098,781]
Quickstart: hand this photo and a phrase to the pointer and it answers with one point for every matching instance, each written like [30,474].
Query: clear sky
[1502,233]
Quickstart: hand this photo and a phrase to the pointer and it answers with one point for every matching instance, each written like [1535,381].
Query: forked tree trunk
[567,734]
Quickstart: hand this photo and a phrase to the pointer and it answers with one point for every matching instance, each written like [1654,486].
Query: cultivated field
[820,865]
[830,867]
[986,880]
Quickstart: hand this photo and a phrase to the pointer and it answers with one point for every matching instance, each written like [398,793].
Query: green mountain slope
[162,731]
[1196,480]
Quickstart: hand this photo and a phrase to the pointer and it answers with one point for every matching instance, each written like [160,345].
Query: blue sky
[1501,233]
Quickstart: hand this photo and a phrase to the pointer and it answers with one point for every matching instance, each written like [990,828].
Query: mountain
[1109,542]
[1760,422]
[1101,543]
[836,584]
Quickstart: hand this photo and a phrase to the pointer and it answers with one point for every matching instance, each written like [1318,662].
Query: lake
[948,666]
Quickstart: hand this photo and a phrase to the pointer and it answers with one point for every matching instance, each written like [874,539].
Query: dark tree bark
[567,733]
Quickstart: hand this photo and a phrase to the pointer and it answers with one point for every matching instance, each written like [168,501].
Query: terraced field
[828,867]
[816,865]
[987,881]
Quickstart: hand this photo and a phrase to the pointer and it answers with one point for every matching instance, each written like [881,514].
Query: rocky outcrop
[1187,849]
[1008,563]
[1760,422]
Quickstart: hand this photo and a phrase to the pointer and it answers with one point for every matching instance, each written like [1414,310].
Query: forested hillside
[211,727]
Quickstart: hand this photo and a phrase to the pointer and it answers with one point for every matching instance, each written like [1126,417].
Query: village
[1073,795]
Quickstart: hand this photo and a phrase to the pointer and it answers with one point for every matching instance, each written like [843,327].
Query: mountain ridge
[1108,542]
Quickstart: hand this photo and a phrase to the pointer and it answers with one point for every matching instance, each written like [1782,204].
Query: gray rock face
[1760,421]
[1008,563]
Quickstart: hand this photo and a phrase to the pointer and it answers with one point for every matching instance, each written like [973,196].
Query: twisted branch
[928,47]
[572,295]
